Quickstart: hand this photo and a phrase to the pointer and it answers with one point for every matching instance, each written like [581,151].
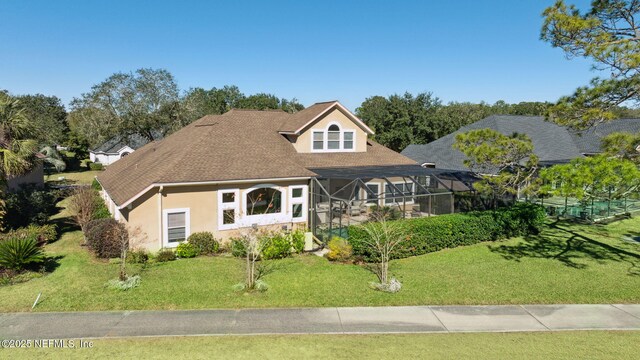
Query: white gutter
[196,183]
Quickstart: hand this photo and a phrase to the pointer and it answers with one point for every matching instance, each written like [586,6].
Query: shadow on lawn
[569,247]
[64,225]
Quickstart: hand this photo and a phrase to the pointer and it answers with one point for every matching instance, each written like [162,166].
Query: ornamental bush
[339,249]
[165,255]
[237,247]
[102,239]
[278,246]
[95,166]
[19,253]
[95,185]
[186,250]
[204,242]
[42,234]
[139,256]
[297,240]
[429,234]
[521,219]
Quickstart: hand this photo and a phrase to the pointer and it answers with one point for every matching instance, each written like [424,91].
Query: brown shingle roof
[301,118]
[238,145]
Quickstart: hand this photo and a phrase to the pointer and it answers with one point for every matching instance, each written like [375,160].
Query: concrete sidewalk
[402,319]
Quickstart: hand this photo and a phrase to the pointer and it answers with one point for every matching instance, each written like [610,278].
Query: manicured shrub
[339,249]
[186,250]
[19,253]
[101,238]
[204,242]
[101,211]
[278,246]
[165,255]
[30,205]
[520,219]
[237,247]
[95,166]
[95,185]
[138,257]
[429,234]
[297,240]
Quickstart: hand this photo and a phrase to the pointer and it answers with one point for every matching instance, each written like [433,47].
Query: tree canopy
[144,102]
[400,120]
[48,115]
[506,164]
[148,103]
[597,177]
[609,35]
[622,145]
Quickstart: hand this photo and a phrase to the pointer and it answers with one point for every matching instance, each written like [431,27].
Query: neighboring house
[260,168]
[35,178]
[552,143]
[116,148]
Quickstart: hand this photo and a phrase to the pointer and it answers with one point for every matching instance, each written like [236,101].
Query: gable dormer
[327,128]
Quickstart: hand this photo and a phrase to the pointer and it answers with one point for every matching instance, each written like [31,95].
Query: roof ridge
[256,110]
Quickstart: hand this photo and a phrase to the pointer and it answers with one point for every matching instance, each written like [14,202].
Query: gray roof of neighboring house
[116,143]
[589,140]
[552,143]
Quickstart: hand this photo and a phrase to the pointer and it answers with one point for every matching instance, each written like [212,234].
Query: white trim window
[318,140]
[228,208]
[374,188]
[348,140]
[264,204]
[392,196]
[298,202]
[333,139]
[177,226]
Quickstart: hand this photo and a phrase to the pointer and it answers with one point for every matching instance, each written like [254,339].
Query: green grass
[73,177]
[564,264]
[562,345]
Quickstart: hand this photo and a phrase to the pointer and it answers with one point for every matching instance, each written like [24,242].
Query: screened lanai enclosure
[341,197]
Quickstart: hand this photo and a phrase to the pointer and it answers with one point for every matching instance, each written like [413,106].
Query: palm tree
[52,157]
[17,151]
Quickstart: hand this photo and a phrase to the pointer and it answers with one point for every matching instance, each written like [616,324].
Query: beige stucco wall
[304,141]
[202,201]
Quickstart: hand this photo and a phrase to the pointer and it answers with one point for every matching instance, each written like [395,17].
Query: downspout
[160,232]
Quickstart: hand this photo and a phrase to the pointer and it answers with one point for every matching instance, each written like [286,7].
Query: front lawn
[565,264]
[557,345]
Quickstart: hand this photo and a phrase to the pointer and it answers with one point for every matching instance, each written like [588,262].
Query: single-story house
[552,143]
[35,177]
[116,148]
[317,169]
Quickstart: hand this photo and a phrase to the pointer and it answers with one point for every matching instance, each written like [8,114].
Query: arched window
[264,200]
[333,137]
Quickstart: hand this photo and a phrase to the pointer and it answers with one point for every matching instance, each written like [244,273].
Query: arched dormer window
[333,138]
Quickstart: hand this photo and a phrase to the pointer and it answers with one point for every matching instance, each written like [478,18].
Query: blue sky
[315,51]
